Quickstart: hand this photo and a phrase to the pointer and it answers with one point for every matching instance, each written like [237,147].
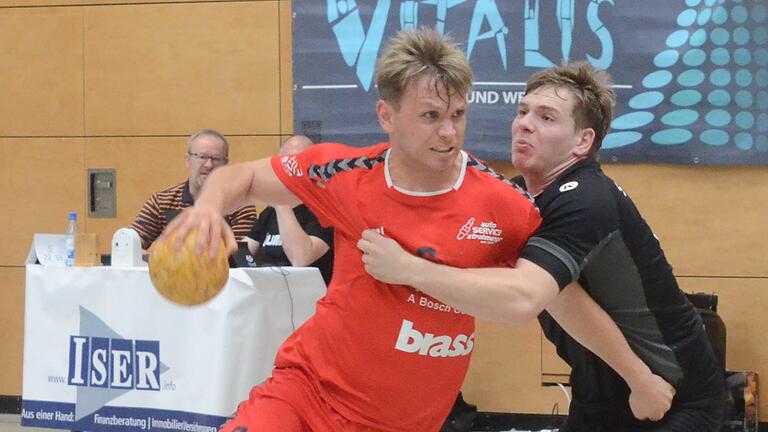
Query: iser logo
[114,363]
[486,232]
[104,365]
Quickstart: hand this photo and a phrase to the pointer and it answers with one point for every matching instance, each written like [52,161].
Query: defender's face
[544,133]
[427,127]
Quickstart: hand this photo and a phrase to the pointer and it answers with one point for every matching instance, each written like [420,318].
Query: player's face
[427,127]
[544,132]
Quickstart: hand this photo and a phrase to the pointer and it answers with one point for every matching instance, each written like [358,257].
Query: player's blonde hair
[412,54]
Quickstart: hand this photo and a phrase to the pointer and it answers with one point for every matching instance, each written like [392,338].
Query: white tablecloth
[104,351]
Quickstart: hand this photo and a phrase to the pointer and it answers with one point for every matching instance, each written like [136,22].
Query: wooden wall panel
[41,181]
[243,149]
[41,79]
[711,220]
[147,165]
[505,373]
[286,68]
[170,68]
[28,3]
[12,323]
[143,166]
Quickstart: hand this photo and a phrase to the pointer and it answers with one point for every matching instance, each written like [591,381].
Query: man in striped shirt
[206,151]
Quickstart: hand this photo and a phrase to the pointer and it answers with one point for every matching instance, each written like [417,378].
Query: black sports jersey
[593,233]
[267,233]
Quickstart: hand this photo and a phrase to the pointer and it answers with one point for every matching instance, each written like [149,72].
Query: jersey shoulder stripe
[327,170]
[472,162]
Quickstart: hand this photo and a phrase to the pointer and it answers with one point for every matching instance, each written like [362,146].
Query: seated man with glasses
[206,151]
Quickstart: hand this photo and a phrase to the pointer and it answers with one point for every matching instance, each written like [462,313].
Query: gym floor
[12,423]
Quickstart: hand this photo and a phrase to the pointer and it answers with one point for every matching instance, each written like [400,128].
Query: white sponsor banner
[104,351]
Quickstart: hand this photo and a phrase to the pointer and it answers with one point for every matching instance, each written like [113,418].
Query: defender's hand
[385,259]
[651,398]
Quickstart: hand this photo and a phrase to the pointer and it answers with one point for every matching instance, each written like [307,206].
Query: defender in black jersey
[592,237]
[593,233]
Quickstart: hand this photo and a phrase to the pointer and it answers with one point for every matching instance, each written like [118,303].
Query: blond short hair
[592,89]
[412,54]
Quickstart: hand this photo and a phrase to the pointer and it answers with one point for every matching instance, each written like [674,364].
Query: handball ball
[184,277]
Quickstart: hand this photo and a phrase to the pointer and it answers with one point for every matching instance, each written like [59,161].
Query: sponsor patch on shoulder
[569,186]
[291,165]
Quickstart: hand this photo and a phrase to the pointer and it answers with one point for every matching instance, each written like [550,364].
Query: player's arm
[233,186]
[586,322]
[228,188]
[301,248]
[499,294]
[517,295]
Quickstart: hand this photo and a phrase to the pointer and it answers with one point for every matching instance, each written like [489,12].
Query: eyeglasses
[202,157]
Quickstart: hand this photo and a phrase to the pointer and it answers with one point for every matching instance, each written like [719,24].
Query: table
[103,351]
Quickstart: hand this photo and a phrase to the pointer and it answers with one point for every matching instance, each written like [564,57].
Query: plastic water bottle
[69,239]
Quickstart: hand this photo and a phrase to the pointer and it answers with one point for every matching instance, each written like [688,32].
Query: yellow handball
[184,277]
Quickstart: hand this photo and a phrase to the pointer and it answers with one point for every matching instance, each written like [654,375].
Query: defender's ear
[585,143]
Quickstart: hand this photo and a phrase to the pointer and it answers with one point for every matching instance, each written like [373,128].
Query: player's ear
[384,111]
[586,138]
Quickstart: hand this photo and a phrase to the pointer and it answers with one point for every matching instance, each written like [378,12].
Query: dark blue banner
[691,76]
[61,415]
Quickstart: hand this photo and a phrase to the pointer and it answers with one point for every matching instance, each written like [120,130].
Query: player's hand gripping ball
[184,277]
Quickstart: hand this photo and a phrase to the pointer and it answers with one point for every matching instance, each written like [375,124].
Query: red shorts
[287,402]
